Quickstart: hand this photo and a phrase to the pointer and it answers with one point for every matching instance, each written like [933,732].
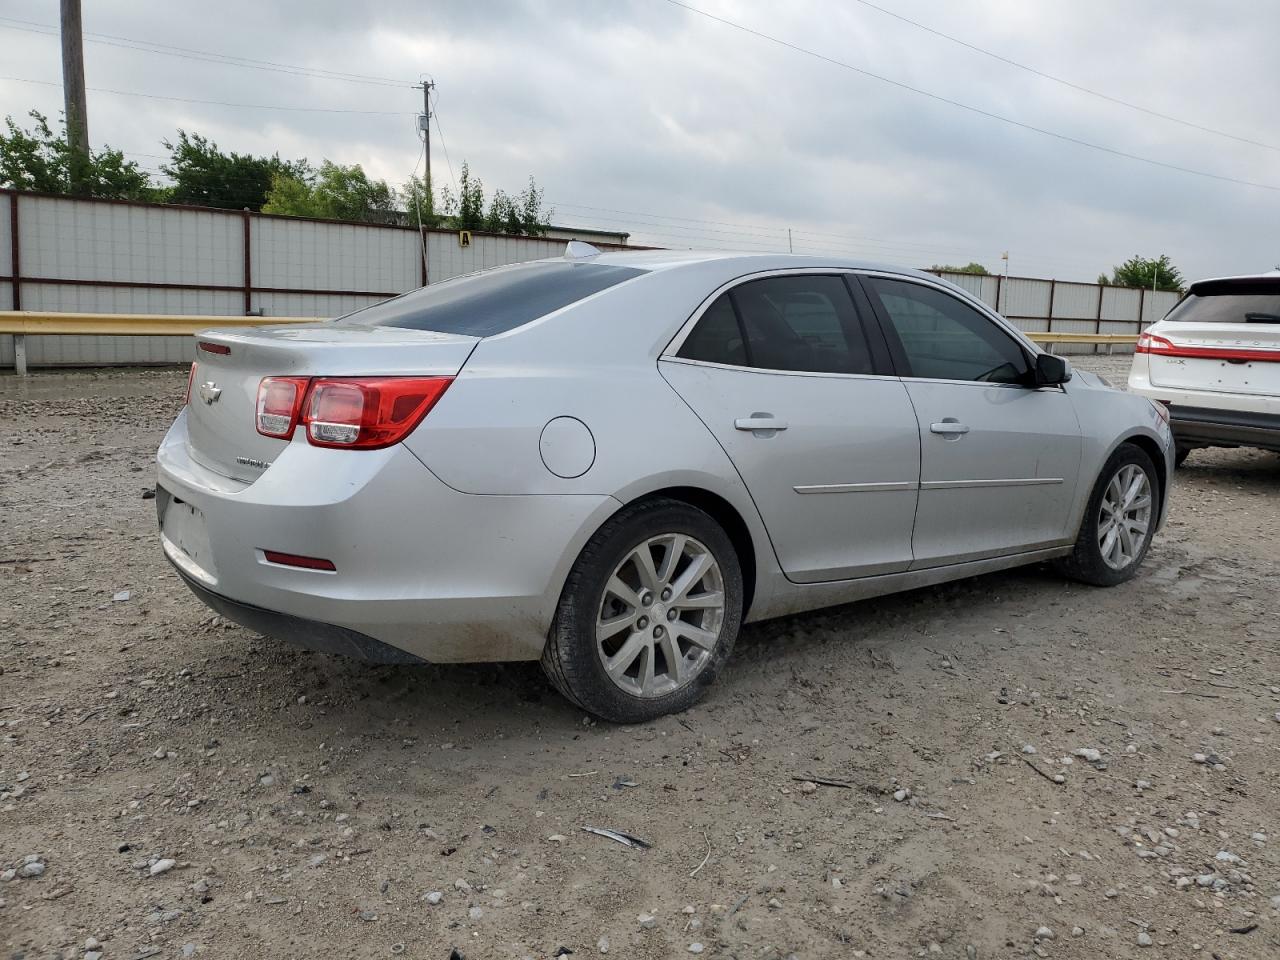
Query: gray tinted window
[1241,305]
[717,338]
[492,302]
[945,339]
[805,324]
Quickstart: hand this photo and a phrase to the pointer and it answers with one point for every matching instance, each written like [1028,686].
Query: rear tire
[632,639]
[1126,497]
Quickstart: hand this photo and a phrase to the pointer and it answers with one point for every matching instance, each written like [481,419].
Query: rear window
[1253,302]
[495,301]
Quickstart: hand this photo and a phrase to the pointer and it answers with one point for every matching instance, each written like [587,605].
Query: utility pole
[73,94]
[424,125]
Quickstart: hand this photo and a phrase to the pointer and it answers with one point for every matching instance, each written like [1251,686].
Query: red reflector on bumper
[293,560]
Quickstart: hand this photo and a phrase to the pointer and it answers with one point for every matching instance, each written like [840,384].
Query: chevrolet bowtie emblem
[210,392]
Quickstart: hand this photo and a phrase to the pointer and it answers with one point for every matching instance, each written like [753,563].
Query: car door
[781,371]
[999,458]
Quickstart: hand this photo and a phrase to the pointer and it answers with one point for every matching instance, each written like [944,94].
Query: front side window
[805,324]
[494,301]
[943,338]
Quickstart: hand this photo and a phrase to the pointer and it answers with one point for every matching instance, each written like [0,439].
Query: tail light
[279,404]
[191,378]
[365,413]
[1150,343]
[1162,409]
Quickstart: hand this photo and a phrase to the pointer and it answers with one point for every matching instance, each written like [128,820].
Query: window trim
[868,322]
[902,365]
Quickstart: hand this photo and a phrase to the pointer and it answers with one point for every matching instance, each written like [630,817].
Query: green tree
[40,160]
[974,268]
[206,176]
[419,201]
[1141,272]
[334,192]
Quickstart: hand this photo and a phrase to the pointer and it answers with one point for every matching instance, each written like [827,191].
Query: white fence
[102,256]
[1063,306]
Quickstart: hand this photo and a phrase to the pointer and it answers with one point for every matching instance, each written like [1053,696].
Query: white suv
[1214,360]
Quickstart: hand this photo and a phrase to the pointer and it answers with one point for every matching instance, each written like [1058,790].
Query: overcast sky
[639,115]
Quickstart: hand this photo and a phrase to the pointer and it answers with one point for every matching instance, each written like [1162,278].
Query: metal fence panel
[310,304]
[6,240]
[1156,305]
[1120,303]
[446,257]
[1025,298]
[982,287]
[303,254]
[92,240]
[1075,301]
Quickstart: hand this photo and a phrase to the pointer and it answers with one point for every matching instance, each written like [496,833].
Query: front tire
[648,615]
[1119,521]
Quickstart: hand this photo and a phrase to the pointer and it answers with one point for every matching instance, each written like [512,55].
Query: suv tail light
[366,413]
[1150,343]
[279,403]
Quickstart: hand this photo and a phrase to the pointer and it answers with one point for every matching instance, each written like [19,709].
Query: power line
[219,103]
[435,115]
[1067,83]
[969,107]
[148,46]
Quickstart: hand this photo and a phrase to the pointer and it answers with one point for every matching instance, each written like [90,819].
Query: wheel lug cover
[658,631]
[643,622]
[671,614]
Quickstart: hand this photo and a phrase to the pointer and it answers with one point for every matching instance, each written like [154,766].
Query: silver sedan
[610,462]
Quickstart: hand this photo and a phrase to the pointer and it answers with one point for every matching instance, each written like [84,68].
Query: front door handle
[760,423]
[949,428]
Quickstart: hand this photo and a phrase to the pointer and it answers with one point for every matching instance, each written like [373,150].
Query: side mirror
[1051,371]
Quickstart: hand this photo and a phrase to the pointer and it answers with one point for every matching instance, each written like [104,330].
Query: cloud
[643,116]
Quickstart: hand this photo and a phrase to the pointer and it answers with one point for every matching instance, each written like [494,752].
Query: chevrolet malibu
[611,461]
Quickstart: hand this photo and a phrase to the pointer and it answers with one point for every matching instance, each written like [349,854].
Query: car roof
[1243,278]
[659,260]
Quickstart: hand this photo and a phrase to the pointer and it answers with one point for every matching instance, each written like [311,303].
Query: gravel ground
[878,780]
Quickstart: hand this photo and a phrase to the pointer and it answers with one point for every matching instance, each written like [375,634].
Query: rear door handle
[760,423]
[949,428]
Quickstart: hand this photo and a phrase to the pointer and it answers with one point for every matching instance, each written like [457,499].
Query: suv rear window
[1230,302]
[494,301]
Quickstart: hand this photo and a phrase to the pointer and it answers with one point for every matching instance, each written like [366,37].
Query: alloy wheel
[660,616]
[1124,517]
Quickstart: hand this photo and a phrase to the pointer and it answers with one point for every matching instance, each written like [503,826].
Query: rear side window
[495,301]
[1235,303]
[805,324]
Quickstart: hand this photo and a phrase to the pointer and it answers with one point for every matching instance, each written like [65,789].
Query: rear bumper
[310,634]
[442,576]
[1204,426]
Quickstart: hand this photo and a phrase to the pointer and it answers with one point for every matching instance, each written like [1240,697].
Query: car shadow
[452,704]
[1254,470]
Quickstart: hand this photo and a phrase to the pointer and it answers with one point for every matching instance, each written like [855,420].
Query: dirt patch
[312,805]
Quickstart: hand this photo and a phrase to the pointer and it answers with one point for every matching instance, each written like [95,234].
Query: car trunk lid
[221,415]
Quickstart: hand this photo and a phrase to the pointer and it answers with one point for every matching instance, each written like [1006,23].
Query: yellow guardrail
[1104,338]
[24,323]
[1109,340]
[126,325]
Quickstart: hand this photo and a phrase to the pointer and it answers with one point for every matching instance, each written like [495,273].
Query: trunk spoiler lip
[346,336]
